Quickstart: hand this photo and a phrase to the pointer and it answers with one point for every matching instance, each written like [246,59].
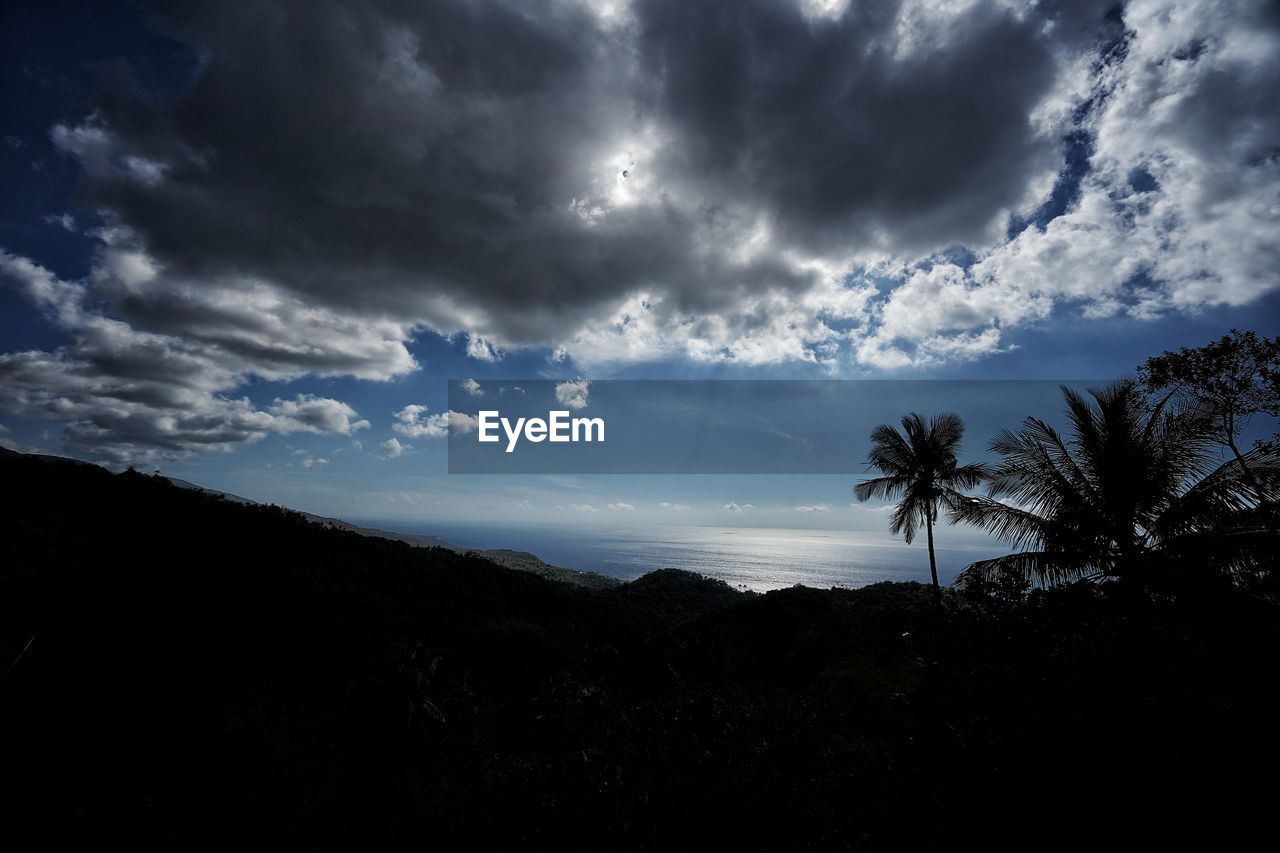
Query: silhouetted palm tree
[1133,490]
[920,470]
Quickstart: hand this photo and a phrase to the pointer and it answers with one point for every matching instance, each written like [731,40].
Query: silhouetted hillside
[521,561]
[188,670]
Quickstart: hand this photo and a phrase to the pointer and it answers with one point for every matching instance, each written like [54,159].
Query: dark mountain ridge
[521,561]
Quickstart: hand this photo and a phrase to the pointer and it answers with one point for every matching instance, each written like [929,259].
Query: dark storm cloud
[386,157]
[849,135]
[421,159]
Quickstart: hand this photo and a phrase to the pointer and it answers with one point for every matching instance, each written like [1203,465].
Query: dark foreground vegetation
[188,670]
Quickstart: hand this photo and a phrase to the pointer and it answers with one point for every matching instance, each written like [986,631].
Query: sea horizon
[755,558]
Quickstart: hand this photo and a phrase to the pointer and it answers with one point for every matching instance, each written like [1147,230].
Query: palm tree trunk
[933,561]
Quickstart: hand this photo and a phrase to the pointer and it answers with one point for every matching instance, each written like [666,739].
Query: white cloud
[813,508]
[573,393]
[310,462]
[675,507]
[1177,212]
[130,394]
[414,422]
[929,318]
[832,9]
[162,400]
[1198,223]
[65,221]
[771,327]
[584,508]
[307,413]
[481,349]
[735,507]
[621,506]
[392,448]
[472,387]
[460,423]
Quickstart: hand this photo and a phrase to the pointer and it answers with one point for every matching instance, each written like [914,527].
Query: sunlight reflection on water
[759,559]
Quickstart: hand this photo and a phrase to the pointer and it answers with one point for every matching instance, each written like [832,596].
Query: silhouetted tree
[1226,382]
[920,470]
[1134,489]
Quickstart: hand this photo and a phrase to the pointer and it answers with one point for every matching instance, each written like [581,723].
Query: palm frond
[888,488]
[1036,566]
[1134,488]
[1016,527]
[966,476]
[1227,490]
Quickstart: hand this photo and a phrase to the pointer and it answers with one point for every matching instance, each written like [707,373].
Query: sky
[250,244]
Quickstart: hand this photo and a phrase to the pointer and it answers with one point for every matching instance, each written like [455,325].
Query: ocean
[758,559]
